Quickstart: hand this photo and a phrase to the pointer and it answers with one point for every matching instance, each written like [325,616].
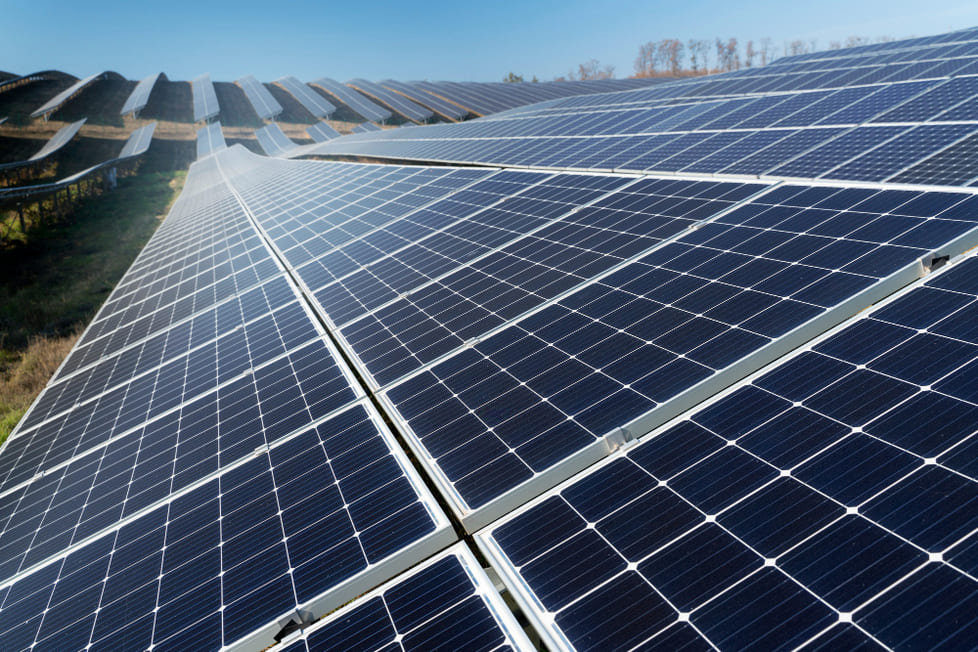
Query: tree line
[676,58]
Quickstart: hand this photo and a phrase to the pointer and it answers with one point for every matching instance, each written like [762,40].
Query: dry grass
[24,374]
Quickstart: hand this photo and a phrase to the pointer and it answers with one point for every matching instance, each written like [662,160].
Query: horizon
[446,42]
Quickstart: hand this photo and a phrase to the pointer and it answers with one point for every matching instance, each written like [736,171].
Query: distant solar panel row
[314,102]
[443,108]
[398,103]
[273,140]
[139,97]
[261,100]
[357,102]
[205,98]
[55,102]
[210,139]
[139,141]
[322,131]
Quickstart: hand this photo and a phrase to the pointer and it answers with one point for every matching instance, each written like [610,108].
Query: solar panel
[210,139]
[139,97]
[55,102]
[825,502]
[261,100]
[398,103]
[58,140]
[138,141]
[365,127]
[273,140]
[313,102]
[357,102]
[322,131]
[205,99]
[447,602]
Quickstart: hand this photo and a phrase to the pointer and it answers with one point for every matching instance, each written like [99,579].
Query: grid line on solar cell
[792,488]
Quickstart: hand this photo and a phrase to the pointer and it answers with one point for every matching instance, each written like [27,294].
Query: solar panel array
[139,97]
[313,101]
[322,131]
[781,121]
[354,100]
[266,106]
[205,98]
[398,103]
[657,402]
[273,140]
[55,102]
[210,139]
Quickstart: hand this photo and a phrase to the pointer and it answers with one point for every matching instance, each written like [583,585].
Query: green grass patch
[56,279]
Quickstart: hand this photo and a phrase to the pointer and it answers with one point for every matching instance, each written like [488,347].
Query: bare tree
[749,54]
[592,69]
[732,56]
[645,61]
[767,51]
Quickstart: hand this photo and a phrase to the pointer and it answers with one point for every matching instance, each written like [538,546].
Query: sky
[435,40]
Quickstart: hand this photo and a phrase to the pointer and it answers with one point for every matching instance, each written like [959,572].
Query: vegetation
[55,280]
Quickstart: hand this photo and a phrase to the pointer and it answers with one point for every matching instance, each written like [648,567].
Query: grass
[55,281]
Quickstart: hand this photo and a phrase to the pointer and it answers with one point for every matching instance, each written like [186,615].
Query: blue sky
[479,41]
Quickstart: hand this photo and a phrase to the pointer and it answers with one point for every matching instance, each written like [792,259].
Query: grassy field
[55,282]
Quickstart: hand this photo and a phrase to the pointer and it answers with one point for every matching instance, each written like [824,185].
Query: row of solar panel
[153,526]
